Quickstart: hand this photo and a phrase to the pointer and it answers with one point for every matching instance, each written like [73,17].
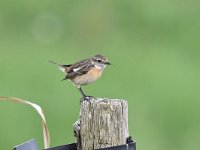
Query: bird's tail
[63,68]
[54,63]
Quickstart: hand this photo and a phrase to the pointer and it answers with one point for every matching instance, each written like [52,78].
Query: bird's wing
[79,68]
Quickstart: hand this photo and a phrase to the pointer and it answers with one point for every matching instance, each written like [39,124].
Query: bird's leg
[81,91]
[85,97]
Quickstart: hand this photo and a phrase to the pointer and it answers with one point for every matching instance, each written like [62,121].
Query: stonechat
[85,71]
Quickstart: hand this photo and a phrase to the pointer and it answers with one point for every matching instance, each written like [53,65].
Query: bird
[84,72]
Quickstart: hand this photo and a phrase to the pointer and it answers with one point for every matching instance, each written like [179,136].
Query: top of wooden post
[103,123]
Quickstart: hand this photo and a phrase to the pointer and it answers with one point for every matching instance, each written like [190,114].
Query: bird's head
[100,61]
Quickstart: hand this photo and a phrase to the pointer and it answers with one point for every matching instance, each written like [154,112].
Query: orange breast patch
[95,73]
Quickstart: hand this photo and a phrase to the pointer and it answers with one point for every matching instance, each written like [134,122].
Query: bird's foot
[86,98]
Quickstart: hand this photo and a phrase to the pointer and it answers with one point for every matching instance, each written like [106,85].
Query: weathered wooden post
[103,123]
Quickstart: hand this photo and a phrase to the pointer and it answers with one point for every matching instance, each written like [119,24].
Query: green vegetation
[154,46]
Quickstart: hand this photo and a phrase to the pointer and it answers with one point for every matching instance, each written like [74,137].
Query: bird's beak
[107,63]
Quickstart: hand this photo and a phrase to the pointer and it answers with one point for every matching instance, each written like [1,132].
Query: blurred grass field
[153,45]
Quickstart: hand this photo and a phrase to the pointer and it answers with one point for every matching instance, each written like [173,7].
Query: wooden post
[103,123]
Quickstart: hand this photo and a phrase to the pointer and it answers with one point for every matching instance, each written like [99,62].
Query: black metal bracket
[32,145]
[130,146]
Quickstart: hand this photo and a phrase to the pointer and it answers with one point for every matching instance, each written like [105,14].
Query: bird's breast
[91,76]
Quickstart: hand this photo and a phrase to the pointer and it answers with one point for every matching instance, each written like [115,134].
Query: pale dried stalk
[46,135]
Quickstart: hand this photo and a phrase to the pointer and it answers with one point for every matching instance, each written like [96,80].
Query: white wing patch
[76,69]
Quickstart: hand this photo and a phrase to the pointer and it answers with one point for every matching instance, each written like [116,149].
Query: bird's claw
[86,98]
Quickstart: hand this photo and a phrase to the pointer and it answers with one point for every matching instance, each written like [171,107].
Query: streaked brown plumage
[85,71]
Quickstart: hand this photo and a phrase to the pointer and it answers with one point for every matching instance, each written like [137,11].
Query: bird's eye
[99,60]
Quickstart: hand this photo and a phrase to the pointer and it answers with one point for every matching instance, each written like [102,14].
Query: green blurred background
[154,46]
